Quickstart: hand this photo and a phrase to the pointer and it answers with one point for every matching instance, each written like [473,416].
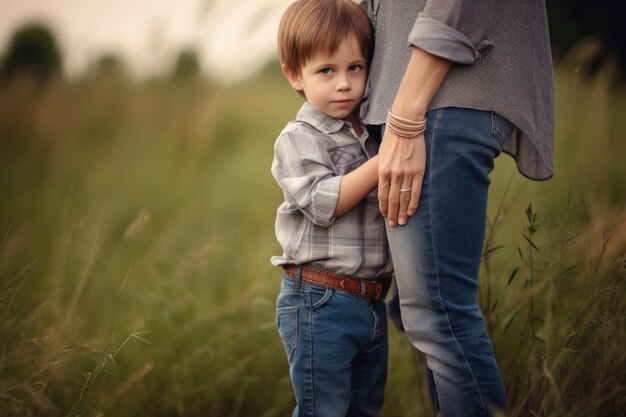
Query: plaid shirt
[311,156]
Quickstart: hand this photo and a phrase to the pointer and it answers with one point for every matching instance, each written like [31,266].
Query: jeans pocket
[287,324]
[501,128]
[320,296]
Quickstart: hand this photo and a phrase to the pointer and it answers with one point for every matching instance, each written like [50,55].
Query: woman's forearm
[422,78]
[402,161]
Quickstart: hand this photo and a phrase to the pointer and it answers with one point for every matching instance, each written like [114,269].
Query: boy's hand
[401,167]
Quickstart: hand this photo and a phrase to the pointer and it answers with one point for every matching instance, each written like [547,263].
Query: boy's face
[335,83]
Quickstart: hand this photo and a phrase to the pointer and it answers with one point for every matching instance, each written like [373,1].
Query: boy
[336,262]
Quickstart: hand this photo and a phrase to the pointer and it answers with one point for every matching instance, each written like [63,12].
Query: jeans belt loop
[298,277]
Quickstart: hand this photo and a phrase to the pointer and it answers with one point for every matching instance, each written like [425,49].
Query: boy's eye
[326,71]
[355,68]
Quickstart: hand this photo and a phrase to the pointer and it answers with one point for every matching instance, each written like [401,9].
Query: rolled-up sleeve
[305,174]
[457,30]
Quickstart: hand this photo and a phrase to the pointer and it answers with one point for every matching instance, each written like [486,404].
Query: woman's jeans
[336,344]
[437,255]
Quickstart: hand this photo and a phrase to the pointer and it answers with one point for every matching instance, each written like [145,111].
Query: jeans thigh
[445,236]
[294,309]
[437,257]
[369,368]
[322,330]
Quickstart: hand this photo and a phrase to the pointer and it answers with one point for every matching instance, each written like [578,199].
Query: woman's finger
[405,199]
[383,195]
[393,205]
[416,191]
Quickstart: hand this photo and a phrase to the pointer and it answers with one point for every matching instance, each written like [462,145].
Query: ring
[405,190]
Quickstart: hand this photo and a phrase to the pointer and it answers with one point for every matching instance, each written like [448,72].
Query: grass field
[136,226]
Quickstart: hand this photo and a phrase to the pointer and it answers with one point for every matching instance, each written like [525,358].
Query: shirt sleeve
[305,173]
[457,30]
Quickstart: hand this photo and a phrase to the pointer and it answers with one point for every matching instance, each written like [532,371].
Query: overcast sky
[233,38]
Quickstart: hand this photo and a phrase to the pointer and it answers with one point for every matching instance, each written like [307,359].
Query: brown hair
[309,27]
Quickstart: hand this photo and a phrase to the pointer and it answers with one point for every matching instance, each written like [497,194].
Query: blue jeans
[436,257]
[336,344]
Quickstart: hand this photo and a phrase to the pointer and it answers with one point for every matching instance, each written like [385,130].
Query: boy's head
[310,27]
[324,48]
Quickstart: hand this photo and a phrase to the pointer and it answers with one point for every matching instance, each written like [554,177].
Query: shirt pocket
[346,161]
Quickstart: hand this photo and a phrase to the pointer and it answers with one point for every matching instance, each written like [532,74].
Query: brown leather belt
[373,289]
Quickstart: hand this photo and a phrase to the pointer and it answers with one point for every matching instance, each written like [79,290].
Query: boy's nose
[343,83]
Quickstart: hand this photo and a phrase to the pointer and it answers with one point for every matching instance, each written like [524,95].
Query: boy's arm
[356,185]
[304,171]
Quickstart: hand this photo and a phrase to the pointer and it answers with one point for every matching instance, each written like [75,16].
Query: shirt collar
[319,120]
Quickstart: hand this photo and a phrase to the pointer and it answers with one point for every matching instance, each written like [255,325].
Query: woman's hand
[401,168]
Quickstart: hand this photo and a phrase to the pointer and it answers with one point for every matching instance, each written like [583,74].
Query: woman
[480,74]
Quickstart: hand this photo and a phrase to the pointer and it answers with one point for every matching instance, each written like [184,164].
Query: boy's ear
[293,77]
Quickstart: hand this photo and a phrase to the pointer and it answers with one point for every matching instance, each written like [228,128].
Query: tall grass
[136,225]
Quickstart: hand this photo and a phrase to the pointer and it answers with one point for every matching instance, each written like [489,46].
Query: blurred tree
[574,20]
[110,66]
[108,92]
[34,50]
[187,66]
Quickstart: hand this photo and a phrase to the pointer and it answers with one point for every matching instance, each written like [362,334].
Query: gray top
[311,156]
[502,59]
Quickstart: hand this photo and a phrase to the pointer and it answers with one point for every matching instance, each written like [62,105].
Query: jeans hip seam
[310,389]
